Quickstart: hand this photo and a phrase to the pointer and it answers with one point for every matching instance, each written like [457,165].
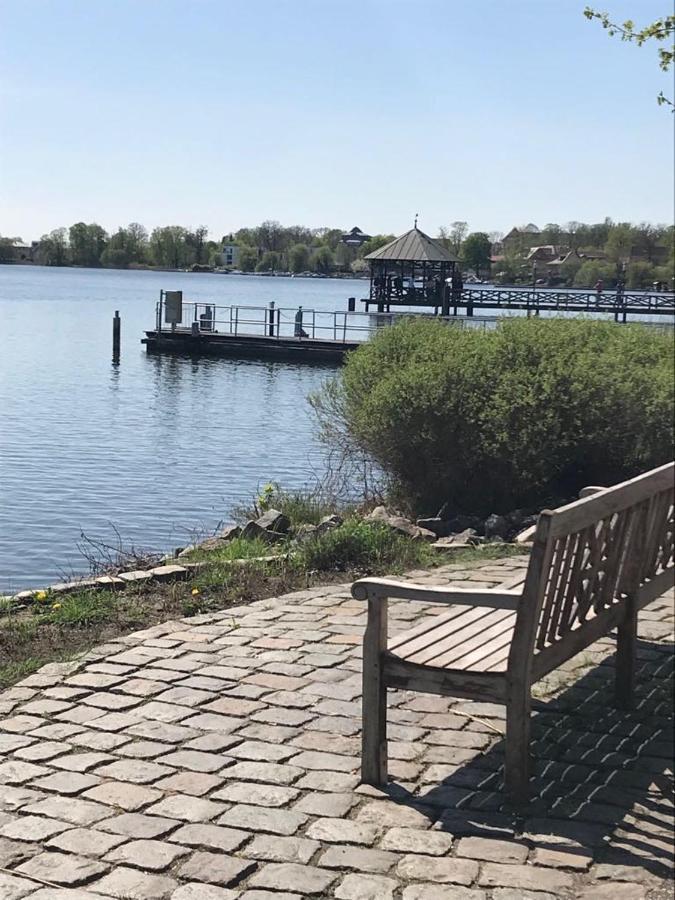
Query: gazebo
[412,270]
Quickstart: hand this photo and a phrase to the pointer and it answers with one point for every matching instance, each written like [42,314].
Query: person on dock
[599,286]
[299,330]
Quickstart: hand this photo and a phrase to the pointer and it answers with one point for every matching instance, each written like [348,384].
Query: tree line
[270,247]
[611,252]
[639,254]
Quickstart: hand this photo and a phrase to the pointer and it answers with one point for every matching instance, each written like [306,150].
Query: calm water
[159,447]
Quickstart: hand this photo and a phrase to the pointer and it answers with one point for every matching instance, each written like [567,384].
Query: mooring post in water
[271,319]
[117,324]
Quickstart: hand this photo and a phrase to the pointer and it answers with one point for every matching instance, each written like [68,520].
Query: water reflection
[159,445]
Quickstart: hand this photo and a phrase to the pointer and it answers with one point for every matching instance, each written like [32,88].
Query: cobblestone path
[217,757]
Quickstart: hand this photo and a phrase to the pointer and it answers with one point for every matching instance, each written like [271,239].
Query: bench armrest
[384,588]
[590,490]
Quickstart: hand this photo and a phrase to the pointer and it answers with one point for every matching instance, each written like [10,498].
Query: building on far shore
[520,239]
[229,253]
[355,238]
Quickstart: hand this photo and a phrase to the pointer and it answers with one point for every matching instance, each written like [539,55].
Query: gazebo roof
[413,246]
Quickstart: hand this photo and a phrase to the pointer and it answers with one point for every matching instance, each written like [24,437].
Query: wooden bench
[594,564]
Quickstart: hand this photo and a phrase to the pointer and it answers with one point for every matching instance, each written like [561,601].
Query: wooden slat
[557,615]
[428,625]
[467,630]
[570,592]
[551,589]
[615,560]
[433,635]
[499,624]
[576,640]
[597,543]
[658,529]
[495,640]
[566,596]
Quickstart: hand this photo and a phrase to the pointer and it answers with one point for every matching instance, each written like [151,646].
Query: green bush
[491,420]
[364,546]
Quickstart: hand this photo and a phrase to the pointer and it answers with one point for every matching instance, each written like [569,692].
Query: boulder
[468,536]
[253,530]
[329,522]
[436,524]
[461,523]
[497,526]
[306,533]
[400,525]
[273,520]
[229,532]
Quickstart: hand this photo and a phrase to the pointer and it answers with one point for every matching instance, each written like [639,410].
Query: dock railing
[282,323]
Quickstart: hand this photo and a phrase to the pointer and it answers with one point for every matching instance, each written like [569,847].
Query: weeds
[238,548]
[301,506]
[363,547]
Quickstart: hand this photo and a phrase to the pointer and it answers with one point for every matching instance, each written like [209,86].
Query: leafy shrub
[363,546]
[496,419]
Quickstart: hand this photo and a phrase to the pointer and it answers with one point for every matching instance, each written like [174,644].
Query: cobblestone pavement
[217,757]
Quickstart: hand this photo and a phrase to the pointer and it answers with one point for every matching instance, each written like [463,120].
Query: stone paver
[217,757]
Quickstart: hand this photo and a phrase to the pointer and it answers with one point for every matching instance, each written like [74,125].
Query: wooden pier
[619,304]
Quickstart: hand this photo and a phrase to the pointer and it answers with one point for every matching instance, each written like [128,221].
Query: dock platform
[213,343]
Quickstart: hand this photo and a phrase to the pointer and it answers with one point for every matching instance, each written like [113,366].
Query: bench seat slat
[425,626]
[418,644]
[461,642]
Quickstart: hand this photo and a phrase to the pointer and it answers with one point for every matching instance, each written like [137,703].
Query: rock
[305,533]
[461,523]
[229,532]
[400,525]
[435,524]
[329,522]
[468,536]
[496,526]
[253,530]
[526,536]
[273,520]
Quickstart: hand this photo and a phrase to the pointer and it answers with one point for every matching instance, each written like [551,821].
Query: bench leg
[517,762]
[626,646]
[374,729]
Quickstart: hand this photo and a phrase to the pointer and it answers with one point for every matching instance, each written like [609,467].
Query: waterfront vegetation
[523,415]
[637,254]
[55,627]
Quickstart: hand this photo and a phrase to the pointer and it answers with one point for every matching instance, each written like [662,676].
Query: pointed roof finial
[416,217]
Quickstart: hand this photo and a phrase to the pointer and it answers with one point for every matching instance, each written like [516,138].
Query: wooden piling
[117,324]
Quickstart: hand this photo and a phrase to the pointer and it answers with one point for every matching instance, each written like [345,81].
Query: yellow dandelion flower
[194,591]
[41,595]
[56,606]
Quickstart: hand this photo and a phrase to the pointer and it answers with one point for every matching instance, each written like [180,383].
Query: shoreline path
[217,757]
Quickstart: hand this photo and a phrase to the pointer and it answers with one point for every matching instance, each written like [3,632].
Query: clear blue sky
[318,112]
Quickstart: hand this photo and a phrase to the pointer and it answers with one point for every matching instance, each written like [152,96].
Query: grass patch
[363,547]
[238,548]
[301,506]
[59,627]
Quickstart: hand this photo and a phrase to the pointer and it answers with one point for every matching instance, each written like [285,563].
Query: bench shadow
[599,773]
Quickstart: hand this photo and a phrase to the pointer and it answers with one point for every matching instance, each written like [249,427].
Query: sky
[323,113]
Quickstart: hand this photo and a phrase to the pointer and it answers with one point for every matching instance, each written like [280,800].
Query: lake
[159,447]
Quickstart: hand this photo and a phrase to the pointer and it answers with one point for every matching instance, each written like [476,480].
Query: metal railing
[284,323]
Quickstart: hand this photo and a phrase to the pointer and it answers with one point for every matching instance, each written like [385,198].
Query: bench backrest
[587,558]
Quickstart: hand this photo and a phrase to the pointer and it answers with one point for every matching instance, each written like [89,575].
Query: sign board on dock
[173,307]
